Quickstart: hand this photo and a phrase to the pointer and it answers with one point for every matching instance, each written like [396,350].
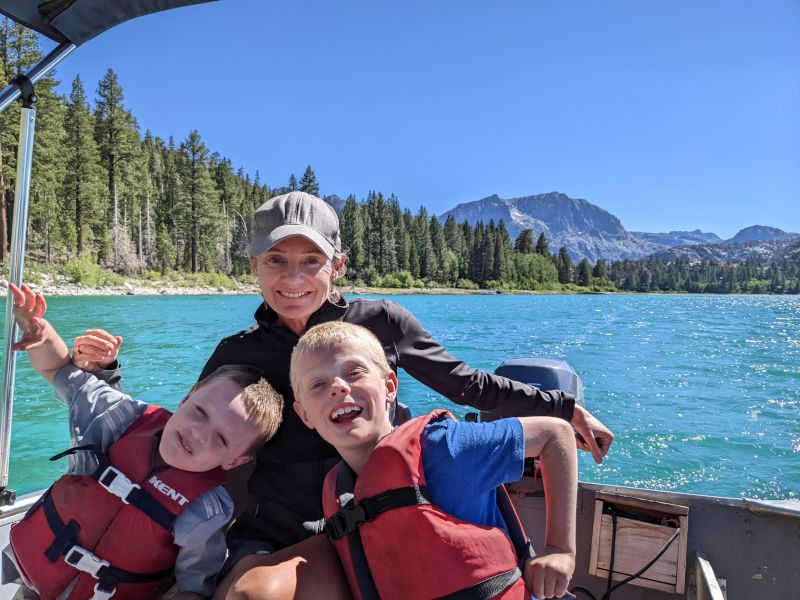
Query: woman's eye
[313,261]
[275,260]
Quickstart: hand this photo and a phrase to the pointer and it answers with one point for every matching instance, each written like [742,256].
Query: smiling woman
[296,254]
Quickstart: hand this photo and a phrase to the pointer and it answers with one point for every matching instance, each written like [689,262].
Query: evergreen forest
[108,197]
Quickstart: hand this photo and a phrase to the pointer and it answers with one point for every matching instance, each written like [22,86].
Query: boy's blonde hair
[323,337]
[264,406]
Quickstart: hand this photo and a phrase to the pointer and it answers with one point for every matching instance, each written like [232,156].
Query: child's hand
[95,350]
[548,575]
[29,308]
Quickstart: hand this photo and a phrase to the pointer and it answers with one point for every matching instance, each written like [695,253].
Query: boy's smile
[344,396]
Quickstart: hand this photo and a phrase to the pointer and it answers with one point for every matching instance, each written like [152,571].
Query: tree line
[104,192]
[391,247]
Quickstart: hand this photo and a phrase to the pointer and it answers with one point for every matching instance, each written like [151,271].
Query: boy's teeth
[339,412]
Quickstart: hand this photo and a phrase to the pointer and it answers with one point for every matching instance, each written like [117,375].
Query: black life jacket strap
[488,588]
[66,545]
[352,516]
[516,532]
[116,483]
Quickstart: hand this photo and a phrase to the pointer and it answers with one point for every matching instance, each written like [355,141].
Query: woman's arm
[429,362]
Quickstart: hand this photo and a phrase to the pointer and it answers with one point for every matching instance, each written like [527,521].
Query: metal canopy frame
[70,23]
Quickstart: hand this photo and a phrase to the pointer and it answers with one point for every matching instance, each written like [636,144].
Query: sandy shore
[60,286]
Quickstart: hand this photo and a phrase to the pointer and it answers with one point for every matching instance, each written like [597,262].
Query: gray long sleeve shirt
[100,415]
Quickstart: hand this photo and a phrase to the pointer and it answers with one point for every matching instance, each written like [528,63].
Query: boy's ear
[301,412]
[236,462]
[391,387]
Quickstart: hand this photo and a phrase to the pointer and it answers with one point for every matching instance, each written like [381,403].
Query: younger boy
[142,503]
[343,387]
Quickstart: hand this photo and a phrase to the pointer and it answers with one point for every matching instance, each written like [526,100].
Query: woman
[296,256]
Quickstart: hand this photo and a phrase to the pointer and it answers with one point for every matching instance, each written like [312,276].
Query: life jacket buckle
[83,560]
[117,483]
[101,594]
[346,521]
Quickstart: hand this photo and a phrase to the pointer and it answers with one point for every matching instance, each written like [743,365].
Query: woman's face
[295,278]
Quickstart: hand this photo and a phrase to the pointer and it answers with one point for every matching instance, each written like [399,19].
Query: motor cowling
[544,374]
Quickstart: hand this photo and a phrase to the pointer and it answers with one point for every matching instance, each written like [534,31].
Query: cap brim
[286,231]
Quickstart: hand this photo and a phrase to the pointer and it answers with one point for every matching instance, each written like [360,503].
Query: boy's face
[344,396]
[210,429]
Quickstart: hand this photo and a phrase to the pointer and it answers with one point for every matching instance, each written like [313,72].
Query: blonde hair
[323,337]
[263,405]
[340,268]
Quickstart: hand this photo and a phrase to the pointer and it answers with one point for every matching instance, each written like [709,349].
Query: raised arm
[46,349]
[552,440]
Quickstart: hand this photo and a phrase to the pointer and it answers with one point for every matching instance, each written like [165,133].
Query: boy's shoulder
[457,437]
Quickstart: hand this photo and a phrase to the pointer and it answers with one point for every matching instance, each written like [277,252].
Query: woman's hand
[548,575]
[597,437]
[95,350]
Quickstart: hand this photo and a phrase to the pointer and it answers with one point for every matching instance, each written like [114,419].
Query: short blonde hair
[263,405]
[323,337]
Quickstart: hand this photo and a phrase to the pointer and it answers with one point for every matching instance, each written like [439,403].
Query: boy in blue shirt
[344,388]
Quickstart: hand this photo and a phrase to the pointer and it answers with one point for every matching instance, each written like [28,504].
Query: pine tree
[584,276]
[82,188]
[542,247]
[502,251]
[402,238]
[292,183]
[231,201]
[422,240]
[352,226]
[201,212]
[117,141]
[524,242]
[564,265]
[599,270]
[309,183]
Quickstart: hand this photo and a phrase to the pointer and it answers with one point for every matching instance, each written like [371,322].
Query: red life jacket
[395,543]
[113,529]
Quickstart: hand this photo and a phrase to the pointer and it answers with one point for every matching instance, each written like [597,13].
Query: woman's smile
[306,273]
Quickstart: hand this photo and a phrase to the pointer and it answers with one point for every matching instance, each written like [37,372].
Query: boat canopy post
[22,88]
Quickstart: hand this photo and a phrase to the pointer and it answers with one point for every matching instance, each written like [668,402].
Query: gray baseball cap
[296,213]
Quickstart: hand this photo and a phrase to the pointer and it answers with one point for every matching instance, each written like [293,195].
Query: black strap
[66,540]
[65,534]
[138,497]
[516,532]
[488,588]
[352,516]
[345,484]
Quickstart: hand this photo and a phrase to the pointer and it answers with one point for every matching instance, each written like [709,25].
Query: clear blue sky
[670,115]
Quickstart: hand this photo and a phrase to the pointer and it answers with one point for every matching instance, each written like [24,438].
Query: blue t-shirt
[464,464]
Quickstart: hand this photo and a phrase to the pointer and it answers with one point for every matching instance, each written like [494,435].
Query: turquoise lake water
[702,392]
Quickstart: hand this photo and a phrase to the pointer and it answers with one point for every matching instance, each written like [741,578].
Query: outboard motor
[544,374]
